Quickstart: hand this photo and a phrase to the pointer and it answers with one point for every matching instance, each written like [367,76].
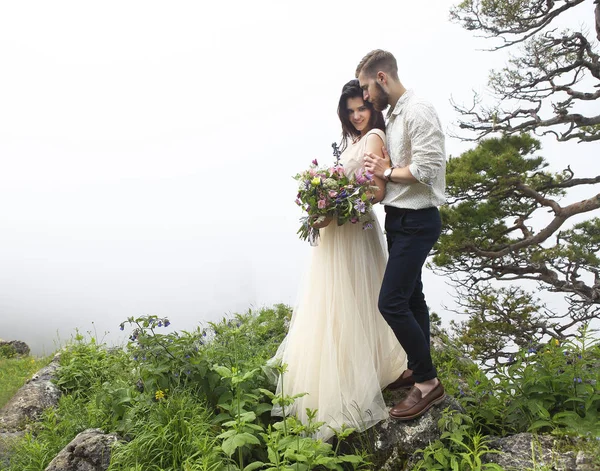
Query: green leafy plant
[548,388]
[461,447]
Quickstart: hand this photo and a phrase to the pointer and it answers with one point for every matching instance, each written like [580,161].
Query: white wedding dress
[339,349]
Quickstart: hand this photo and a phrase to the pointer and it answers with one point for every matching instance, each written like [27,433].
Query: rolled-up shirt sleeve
[427,140]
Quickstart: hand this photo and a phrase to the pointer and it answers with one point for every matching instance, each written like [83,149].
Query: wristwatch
[387,174]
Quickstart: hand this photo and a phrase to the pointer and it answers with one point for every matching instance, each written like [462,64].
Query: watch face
[388,172]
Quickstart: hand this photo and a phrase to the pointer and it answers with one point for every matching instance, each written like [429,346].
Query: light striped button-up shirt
[415,139]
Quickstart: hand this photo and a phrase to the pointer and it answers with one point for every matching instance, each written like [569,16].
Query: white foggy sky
[147,148]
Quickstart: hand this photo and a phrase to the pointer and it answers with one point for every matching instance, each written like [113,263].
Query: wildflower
[360,206]
[159,395]
[531,350]
[577,380]
[367,225]
[556,342]
[167,323]
[477,382]
[122,327]
[160,323]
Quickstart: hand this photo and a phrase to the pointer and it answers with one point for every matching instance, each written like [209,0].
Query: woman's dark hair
[352,90]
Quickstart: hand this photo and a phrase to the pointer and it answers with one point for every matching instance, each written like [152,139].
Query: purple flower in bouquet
[342,194]
[315,163]
[367,226]
[360,206]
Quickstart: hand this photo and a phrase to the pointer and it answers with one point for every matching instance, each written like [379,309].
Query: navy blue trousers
[411,235]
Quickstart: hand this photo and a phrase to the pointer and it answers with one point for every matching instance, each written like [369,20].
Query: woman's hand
[322,224]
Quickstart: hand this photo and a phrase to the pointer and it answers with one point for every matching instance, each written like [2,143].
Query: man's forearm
[402,175]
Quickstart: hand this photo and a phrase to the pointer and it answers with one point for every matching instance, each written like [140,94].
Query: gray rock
[395,441]
[20,348]
[88,451]
[525,451]
[28,403]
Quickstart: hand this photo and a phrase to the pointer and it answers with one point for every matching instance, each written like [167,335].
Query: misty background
[147,149]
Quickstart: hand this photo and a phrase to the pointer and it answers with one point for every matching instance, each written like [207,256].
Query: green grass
[14,372]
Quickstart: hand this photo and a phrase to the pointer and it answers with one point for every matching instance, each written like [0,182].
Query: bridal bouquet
[327,192]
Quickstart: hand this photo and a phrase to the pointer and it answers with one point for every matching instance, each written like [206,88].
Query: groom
[415,173]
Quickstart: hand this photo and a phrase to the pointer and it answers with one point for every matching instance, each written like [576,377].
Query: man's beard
[381,100]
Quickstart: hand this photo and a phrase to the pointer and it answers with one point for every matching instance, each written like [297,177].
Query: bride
[339,349]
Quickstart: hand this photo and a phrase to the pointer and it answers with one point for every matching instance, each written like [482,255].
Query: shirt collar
[400,104]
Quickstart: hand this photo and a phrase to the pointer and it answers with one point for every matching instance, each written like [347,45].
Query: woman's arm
[374,146]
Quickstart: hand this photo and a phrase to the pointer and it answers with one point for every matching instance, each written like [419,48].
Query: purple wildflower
[360,206]
[314,162]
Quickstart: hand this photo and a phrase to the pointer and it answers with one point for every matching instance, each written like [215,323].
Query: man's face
[373,92]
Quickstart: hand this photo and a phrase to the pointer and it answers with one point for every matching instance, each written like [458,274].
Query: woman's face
[358,113]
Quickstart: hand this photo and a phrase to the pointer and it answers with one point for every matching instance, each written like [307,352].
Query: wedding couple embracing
[361,323]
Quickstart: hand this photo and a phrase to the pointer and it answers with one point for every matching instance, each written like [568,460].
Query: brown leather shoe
[415,405]
[405,381]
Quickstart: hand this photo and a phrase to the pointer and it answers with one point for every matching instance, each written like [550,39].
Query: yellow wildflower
[159,395]
[556,342]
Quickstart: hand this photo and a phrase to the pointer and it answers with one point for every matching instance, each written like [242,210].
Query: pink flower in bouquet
[332,194]
[298,202]
[362,176]
[312,172]
[321,204]
[354,220]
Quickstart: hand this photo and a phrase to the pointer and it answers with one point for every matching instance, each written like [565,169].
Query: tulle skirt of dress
[339,349]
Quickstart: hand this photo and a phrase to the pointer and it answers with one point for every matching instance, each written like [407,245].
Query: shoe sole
[427,407]
[399,388]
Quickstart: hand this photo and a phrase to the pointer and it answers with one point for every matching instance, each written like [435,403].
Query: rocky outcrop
[88,451]
[526,451]
[29,401]
[16,346]
[392,442]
